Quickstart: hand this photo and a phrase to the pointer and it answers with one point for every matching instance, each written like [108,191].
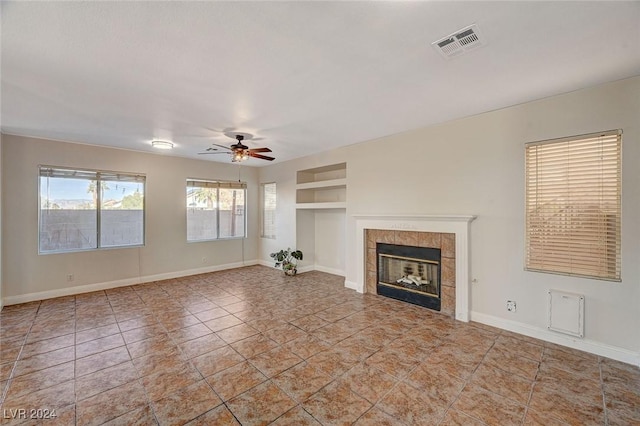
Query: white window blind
[269,210]
[89,209]
[215,210]
[573,191]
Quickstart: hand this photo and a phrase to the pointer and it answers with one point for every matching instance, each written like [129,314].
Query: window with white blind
[215,210]
[268,229]
[89,209]
[573,191]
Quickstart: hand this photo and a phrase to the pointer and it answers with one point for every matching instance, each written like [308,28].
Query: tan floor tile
[573,363]
[41,379]
[45,360]
[47,345]
[189,333]
[260,405]
[503,383]
[265,324]
[368,382]
[101,360]
[165,382]
[54,397]
[142,416]
[506,360]
[275,361]
[254,345]
[297,416]
[185,404]
[96,333]
[456,418]
[284,333]
[376,417]
[95,322]
[343,336]
[391,363]
[309,323]
[159,361]
[336,404]
[536,418]
[235,380]
[211,314]
[302,381]
[173,324]
[137,322]
[98,345]
[142,333]
[111,404]
[307,346]
[237,332]
[103,380]
[218,416]
[221,323]
[333,361]
[489,407]
[412,407]
[201,345]
[159,343]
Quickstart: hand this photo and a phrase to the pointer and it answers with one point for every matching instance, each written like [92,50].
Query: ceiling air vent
[459,42]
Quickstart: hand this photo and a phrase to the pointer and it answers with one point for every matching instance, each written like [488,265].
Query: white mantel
[454,224]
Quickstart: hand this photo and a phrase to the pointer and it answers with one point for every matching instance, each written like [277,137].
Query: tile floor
[250,346]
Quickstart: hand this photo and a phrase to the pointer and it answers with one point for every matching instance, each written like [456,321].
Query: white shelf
[324,184]
[318,206]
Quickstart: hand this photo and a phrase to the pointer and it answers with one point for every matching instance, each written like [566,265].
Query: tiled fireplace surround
[439,240]
[450,233]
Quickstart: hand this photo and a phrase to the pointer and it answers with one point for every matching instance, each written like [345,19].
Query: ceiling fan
[239,151]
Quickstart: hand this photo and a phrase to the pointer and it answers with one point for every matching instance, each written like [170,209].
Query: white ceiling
[303,76]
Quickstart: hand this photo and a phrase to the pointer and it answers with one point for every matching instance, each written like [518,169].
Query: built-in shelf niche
[322,187]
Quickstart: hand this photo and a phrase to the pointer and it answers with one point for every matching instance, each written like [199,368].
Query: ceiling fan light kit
[162,144]
[239,151]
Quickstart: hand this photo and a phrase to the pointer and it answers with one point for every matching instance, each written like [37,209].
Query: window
[268,210]
[86,209]
[573,188]
[215,210]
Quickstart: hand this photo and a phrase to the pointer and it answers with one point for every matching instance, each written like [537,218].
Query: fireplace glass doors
[409,273]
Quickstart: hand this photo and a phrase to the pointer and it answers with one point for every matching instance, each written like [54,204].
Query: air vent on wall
[459,42]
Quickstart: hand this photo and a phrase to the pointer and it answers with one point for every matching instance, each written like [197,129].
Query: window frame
[137,177]
[566,239]
[263,209]
[217,184]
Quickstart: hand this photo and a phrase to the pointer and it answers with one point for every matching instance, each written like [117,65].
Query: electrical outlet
[69,277]
[204,260]
[511,305]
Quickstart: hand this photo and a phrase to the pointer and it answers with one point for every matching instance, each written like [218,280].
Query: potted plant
[288,260]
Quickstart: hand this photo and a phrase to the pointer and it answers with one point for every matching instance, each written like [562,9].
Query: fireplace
[409,273]
[448,233]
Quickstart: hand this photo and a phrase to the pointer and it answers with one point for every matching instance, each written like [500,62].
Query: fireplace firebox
[408,273]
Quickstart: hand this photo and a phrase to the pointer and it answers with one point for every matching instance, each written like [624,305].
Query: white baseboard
[586,345]
[352,285]
[331,271]
[69,291]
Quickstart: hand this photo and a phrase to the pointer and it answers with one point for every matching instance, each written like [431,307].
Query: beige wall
[166,252]
[476,166]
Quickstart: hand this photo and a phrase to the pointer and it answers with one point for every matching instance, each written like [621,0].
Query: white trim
[69,291]
[586,345]
[331,271]
[352,285]
[456,224]
[307,268]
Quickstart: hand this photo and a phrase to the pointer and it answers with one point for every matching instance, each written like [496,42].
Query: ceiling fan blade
[260,156]
[221,146]
[260,150]
[211,152]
